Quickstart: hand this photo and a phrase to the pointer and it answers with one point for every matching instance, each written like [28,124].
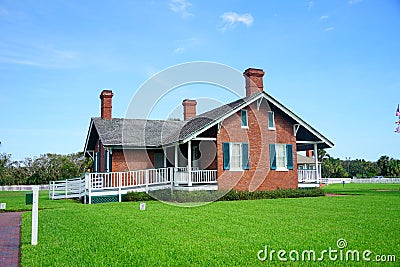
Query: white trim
[88,136]
[309,142]
[204,139]
[281,169]
[219,126]
[295,129]
[259,101]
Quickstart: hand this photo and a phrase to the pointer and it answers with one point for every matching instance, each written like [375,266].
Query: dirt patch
[385,190]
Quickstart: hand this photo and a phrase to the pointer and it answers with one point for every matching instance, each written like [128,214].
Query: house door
[159,160]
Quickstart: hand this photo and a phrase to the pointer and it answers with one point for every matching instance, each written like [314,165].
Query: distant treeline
[42,169]
[337,168]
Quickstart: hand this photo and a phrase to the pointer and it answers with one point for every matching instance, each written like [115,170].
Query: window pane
[244,117]
[235,156]
[280,156]
[271,123]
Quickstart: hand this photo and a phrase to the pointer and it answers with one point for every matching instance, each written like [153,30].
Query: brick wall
[136,159]
[259,176]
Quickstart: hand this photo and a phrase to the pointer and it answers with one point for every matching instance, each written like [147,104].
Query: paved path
[10,238]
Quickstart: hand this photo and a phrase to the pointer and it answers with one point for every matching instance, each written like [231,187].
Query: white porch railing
[204,176]
[146,180]
[308,176]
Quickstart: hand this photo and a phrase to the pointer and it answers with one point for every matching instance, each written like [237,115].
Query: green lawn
[364,189]
[221,233]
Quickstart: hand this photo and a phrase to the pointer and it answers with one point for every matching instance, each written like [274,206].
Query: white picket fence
[376,181]
[69,188]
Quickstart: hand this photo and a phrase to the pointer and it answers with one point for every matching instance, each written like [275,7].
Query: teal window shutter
[226,156]
[245,156]
[244,117]
[289,156]
[272,154]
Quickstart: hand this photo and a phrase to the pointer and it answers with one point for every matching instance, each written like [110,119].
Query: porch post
[176,161]
[316,161]
[190,163]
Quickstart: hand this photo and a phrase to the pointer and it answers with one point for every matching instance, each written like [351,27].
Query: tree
[332,168]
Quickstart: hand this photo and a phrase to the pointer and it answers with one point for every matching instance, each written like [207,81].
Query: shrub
[207,196]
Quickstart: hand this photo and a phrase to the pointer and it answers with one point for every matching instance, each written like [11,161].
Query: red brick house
[249,144]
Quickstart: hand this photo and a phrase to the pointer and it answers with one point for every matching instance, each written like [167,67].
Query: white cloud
[328,29]
[181,7]
[231,19]
[179,50]
[310,4]
[323,17]
[353,2]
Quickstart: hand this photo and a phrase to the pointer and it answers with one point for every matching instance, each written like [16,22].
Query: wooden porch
[120,183]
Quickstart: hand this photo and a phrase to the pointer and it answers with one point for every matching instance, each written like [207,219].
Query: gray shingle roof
[136,132]
[155,133]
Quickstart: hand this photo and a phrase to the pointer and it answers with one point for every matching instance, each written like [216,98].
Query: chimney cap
[189,101]
[254,72]
[106,93]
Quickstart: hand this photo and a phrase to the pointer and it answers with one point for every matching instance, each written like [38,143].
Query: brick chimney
[254,81]
[309,153]
[106,104]
[189,109]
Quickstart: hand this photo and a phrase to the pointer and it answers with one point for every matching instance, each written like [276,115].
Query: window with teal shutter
[244,118]
[289,156]
[272,155]
[226,156]
[245,156]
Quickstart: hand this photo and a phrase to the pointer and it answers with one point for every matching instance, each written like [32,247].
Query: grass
[218,234]
[364,189]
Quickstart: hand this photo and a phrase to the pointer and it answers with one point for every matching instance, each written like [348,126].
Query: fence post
[119,187]
[90,188]
[66,188]
[35,204]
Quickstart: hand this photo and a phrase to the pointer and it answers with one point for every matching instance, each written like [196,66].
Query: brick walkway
[10,238]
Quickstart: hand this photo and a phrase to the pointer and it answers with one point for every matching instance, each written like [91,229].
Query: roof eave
[88,136]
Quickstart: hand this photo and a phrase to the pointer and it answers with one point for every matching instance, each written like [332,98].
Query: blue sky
[336,64]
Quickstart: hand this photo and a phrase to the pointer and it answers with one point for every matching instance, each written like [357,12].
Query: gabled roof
[156,133]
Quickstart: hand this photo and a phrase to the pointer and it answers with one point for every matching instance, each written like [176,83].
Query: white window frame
[231,156]
[247,119]
[273,120]
[281,148]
